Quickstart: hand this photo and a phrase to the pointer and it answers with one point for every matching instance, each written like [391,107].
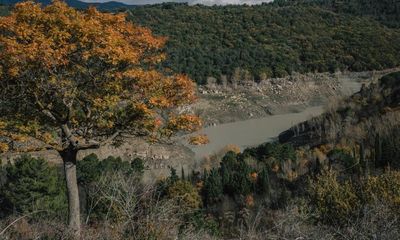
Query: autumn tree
[78,79]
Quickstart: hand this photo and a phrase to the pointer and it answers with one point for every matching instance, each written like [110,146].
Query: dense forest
[385,11]
[271,40]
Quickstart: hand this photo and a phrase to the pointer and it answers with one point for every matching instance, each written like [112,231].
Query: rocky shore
[246,100]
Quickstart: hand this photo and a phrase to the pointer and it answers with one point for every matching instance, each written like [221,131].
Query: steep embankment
[367,118]
[219,104]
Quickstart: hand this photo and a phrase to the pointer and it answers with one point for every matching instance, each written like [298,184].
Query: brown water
[251,132]
[256,131]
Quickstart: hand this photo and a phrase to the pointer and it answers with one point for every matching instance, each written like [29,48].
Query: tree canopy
[89,71]
[77,79]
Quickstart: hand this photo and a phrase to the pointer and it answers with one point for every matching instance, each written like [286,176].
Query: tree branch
[111,138]
[86,146]
[16,220]
[95,145]
[45,110]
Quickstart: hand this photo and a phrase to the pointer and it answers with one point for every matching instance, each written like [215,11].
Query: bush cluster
[338,202]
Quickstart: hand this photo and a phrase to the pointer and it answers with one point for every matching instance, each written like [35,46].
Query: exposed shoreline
[249,131]
[225,104]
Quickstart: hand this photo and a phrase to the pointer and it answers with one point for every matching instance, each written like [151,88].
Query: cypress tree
[213,188]
[182,174]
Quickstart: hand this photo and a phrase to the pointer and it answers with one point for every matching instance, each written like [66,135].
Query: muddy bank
[220,104]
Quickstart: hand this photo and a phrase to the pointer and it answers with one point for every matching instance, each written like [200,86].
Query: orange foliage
[184,122]
[199,140]
[249,200]
[3,147]
[86,69]
[253,176]
[231,147]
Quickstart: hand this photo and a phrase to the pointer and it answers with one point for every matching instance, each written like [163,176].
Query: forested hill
[269,40]
[385,11]
[3,10]
[275,39]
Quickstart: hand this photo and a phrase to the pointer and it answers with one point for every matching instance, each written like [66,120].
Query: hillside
[368,120]
[246,42]
[385,11]
[4,10]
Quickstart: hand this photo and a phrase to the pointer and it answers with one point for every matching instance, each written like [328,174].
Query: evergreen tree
[213,189]
[33,185]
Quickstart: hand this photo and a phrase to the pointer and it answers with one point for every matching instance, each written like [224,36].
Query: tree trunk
[74,219]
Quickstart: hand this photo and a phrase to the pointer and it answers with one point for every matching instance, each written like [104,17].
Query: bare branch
[111,138]
[94,144]
[86,146]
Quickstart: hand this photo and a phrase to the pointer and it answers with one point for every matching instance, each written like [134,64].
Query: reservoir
[256,131]
[251,132]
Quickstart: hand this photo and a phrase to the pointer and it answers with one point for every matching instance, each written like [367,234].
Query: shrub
[345,158]
[185,193]
[137,165]
[334,202]
[121,204]
[385,188]
[272,153]
[88,169]
[200,220]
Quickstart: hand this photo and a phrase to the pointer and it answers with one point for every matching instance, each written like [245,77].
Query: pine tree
[33,185]
[213,189]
